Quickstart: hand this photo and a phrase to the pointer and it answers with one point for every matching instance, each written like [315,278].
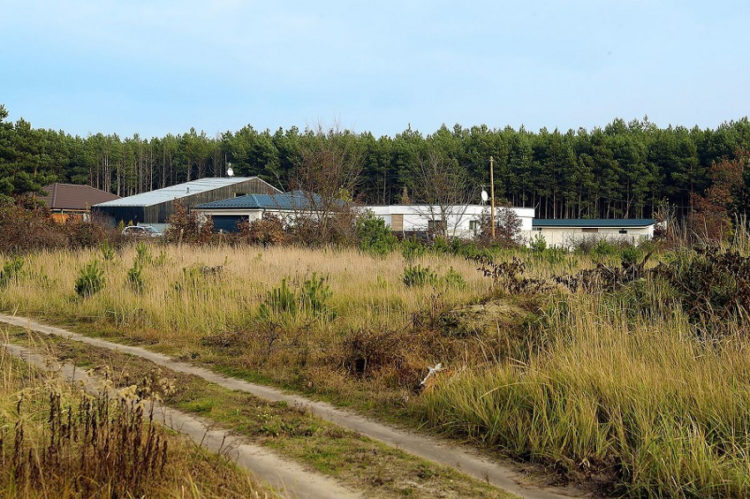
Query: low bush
[338,229]
[314,295]
[454,279]
[416,275]
[713,286]
[412,248]
[280,300]
[383,353]
[11,270]
[135,276]
[142,253]
[107,251]
[374,236]
[81,234]
[29,228]
[269,230]
[90,280]
[538,244]
[552,255]
[310,299]
[188,227]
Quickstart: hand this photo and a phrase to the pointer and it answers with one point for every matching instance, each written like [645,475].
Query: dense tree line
[621,170]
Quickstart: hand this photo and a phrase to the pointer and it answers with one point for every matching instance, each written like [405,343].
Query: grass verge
[56,441]
[354,460]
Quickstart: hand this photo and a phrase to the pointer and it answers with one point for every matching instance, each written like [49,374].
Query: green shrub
[416,275]
[11,270]
[311,299]
[538,244]
[90,280]
[160,260]
[454,279]
[107,251]
[604,247]
[374,236]
[191,279]
[135,276]
[550,254]
[314,295]
[142,254]
[554,255]
[281,300]
[630,255]
[412,248]
[444,245]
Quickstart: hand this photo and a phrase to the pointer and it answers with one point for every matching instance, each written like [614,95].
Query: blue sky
[155,67]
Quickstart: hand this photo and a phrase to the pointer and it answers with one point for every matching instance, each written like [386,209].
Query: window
[590,229]
[474,225]
[623,231]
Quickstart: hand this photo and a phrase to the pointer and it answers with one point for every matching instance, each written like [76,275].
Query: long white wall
[568,237]
[459,223]
[458,218]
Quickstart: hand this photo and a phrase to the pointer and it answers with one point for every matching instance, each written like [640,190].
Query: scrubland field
[57,441]
[627,374]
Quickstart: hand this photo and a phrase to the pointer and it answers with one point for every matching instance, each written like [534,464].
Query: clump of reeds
[99,445]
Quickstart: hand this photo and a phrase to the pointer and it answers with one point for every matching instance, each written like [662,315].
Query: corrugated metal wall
[159,213]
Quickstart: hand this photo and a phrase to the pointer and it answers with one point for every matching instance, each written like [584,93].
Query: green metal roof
[592,222]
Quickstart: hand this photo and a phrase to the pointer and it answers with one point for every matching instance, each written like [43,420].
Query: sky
[154,67]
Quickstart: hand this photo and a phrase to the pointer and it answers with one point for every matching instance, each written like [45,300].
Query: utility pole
[492,195]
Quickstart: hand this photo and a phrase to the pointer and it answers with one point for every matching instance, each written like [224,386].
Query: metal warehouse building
[155,207]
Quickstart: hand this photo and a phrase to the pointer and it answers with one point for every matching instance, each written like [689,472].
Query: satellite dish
[230,172]
[485,196]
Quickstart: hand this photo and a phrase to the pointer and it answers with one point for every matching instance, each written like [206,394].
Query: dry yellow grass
[635,399]
[42,438]
[613,385]
[367,291]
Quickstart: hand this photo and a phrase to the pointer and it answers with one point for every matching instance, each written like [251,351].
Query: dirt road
[286,477]
[446,453]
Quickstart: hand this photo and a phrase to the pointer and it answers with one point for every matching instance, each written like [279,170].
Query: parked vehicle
[141,231]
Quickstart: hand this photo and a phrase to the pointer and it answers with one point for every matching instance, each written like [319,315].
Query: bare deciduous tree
[445,191]
[327,173]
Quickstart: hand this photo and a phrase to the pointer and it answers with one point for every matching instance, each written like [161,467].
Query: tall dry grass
[56,441]
[613,386]
[180,304]
[628,397]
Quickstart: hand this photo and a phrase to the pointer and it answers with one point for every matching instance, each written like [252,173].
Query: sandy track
[286,477]
[446,453]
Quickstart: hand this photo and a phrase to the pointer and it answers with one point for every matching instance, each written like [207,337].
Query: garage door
[227,223]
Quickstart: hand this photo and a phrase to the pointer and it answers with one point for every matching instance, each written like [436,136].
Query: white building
[462,221]
[227,213]
[568,233]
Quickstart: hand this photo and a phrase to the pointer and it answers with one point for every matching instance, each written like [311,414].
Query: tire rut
[458,457]
[286,477]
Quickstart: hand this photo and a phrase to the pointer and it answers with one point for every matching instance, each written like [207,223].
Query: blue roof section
[287,201]
[592,222]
